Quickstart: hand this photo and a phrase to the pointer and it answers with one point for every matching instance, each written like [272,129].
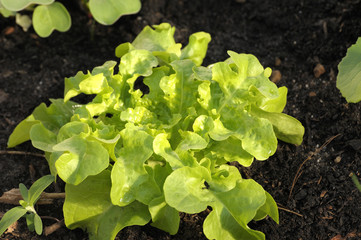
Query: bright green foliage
[17,5]
[89,206]
[129,157]
[349,74]
[47,18]
[109,11]
[30,196]
[49,15]
[6,12]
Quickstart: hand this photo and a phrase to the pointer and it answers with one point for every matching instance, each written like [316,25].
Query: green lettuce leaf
[286,128]
[163,216]
[21,132]
[220,224]
[349,73]
[158,39]
[80,159]
[233,210]
[197,47]
[180,88]
[128,172]
[184,189]
[88,206]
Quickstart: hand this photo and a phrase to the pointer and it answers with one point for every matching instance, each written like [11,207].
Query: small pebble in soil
[337,159]
[276,76]
[319,70]
[323,193]
[278,61]
[312,94]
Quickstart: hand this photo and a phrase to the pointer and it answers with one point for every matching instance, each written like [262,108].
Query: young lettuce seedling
[349,80]
[130,157]
[27,207]
[50,15]
[349,74]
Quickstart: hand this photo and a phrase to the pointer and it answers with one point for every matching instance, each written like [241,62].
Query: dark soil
[289,36]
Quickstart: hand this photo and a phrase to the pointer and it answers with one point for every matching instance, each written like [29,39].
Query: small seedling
[50,15]
[27,206]
[349,74]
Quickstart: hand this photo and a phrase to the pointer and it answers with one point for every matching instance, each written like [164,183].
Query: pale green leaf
[93,84]
[202,125]
[237,79]
[224,178]
[219,132]
[138,115]
[42,138]
[158,39]
[21,132]
[10,217]
[191,140]
[38,188]
[51,159]
[47,18]
[85,83]
[88,206]
[163,148]
[6,13]
[231,150]
[128,172]
[56,115]
[256,134]
[17,5]
[38,224]
[286,128]
[180,89]
[108,12]
[349,73]
[197,47]
[108,137]
[123,48]
[30,221]
[210,96]
[139,62]
[202,73]
[269,208]
[81,158]
[276,104]
[72,88]
[24,21]
[164,217]
[243,201]
[184,189]
[73,129]
[221,225]
[24,192]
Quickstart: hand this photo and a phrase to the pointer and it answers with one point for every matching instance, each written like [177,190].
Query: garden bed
[292,37]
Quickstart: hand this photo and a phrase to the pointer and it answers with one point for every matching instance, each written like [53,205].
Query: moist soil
[292,37]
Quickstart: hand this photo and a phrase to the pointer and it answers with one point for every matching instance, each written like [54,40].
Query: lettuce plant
[134,155]
[49,15]
[349,74]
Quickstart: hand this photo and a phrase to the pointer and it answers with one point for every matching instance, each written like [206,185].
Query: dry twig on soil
[13,196]
[4,152]
[298,173]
